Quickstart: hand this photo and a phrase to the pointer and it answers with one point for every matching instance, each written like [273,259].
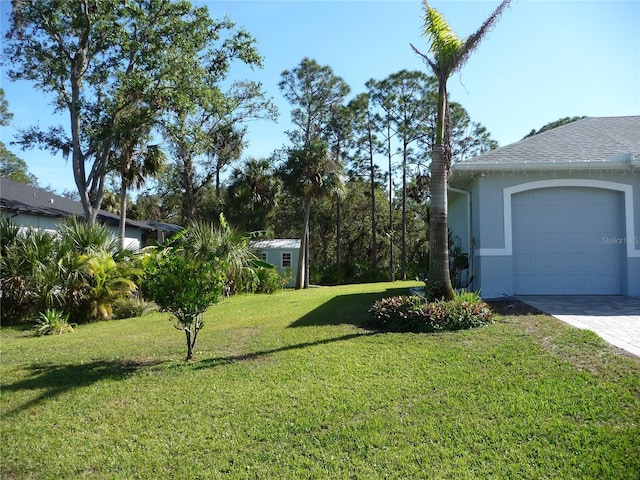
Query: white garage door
[567,240]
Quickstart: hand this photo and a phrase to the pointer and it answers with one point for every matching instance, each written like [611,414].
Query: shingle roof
[593,142]
[276,243]
[27,199]
[23,198]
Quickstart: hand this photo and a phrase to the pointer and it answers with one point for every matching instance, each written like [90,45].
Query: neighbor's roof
[276,243]
[27,199]
[590,143]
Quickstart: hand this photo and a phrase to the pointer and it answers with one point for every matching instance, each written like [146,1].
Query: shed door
[568,240]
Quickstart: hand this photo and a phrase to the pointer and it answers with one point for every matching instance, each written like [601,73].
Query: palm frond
[445,44]
[472,42]
[450,52]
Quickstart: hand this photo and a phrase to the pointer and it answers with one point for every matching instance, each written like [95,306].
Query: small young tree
[185,286]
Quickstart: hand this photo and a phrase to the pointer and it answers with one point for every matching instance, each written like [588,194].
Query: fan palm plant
[205,242]
[252,195]
[82,237]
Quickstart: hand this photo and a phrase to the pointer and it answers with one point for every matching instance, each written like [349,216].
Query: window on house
[262,256]
[286,260]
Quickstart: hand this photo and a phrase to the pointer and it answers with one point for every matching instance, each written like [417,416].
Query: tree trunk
[123,210]
[218,167]
[77,157]
[302,260]
[374,245]
[306,259]
[338,219]
[403,260]
[189,344]
[191,333]
[392,271]
[438,225]
[338,233]
[188,202]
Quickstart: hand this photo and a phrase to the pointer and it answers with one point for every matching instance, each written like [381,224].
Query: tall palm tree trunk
[125,166]
[438,225]
[338,232]
[306,259]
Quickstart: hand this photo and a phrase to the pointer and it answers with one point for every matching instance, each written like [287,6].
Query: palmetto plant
[73,271]
[207,243]
[83,237]
[27,258]
[253,195]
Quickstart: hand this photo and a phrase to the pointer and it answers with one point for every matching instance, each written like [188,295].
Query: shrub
[185,287]
[130,307]
[105,285]
[269,280]
[75,271]
[348,272]
[52,322]
[418,314]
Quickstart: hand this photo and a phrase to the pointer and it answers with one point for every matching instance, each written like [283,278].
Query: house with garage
[283,253]
[29,206]
[557,213]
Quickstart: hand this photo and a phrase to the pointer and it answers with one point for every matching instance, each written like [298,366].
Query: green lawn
[290,386]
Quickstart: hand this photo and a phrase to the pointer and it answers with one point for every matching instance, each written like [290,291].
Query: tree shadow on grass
[54,380]
[217,361]
[346,309]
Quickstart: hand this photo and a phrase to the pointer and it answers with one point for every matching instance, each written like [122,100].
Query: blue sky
[544,60]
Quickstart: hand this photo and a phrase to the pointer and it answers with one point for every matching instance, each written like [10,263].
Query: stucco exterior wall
[492,257]
[459,216]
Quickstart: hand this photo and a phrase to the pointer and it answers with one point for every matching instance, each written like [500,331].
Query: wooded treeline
[149,90]
[346,153]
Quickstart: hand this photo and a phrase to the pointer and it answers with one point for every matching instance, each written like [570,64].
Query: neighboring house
[29,206]
[282,253]
[555,214]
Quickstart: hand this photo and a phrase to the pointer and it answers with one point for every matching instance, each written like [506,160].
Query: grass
[290,386]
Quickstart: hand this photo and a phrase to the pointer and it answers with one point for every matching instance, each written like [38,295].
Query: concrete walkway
[616,319]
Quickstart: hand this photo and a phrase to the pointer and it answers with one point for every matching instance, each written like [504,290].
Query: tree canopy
[110,61]
[143,80]
[552,125]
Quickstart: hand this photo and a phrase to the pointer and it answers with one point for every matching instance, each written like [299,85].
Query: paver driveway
[616,319]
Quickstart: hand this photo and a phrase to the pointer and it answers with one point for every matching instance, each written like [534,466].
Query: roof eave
[551,166]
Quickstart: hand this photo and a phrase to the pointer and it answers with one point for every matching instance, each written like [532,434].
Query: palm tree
[449,54]
[252,195]
[136,160]
[310,174]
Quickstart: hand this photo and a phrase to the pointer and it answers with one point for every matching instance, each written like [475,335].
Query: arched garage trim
[507,193]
